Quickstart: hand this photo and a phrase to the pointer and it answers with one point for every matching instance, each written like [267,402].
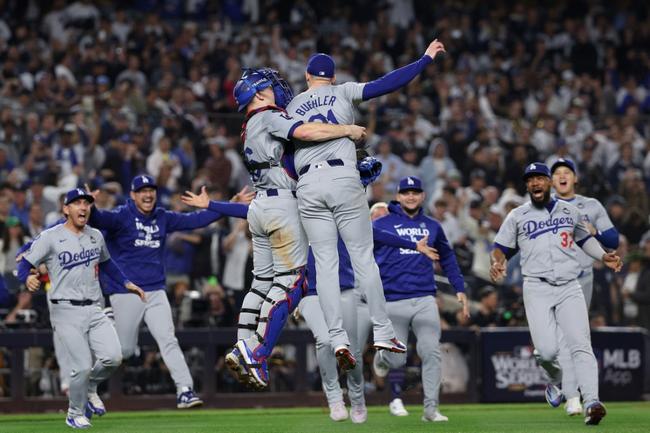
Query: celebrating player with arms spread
[331,200]
[548,233]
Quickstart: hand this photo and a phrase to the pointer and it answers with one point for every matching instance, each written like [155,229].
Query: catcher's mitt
[369,169]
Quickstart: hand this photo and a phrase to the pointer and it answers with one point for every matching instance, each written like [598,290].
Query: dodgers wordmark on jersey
[72,261]
[547,240]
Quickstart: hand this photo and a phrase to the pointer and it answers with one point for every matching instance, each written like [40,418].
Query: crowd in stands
[97,92]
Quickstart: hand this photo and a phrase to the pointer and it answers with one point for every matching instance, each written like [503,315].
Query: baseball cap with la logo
[537,168]
[410,183]
[143,181]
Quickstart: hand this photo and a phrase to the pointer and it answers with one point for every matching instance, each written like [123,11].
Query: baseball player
[548,232]
[279,243]
[330,199]
[75,255]
[135,236]
[310,309]
[410,296]
[596,220]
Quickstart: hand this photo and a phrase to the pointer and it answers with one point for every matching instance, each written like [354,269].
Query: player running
[546,231]
[596,220]
[331,201]
[410,296]
[75,255]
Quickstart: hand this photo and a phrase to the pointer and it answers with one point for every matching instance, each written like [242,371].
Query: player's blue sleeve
[104,219]
[189,221]
[111,268]
[448,261]
[609,238]
[509,252]
[237,210]
[386,238]
[23,269]
[395,79]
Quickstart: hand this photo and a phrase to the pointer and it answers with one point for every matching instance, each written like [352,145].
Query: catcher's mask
[256,80]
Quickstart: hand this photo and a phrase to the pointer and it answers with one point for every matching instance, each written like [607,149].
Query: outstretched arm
[316,131]
[237,210]
[402,76]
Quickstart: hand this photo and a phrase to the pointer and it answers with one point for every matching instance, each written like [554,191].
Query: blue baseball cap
[76,194]
[321,65]
[536,168]
[566,163]
[410,183]
[143,181]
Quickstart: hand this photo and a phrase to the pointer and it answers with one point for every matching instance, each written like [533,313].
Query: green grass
[475,418]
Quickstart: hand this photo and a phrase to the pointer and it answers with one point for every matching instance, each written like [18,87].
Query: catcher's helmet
[255,80]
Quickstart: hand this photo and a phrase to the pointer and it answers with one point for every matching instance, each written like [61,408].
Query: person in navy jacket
[410,288]
[135,234]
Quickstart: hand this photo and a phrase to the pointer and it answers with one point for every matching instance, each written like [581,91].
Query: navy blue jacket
[408,274]
[136,242]
[346,273]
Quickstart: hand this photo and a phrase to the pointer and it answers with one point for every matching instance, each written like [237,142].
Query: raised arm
[402,76]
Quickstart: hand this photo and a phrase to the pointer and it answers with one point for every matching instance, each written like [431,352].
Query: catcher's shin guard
[286,292]
[250,310]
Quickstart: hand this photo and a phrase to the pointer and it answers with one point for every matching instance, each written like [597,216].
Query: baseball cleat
[338,411]
[393,345]
[397,408]
[553,395]
[358,414]
[79,421]
[344,358]
[94,406]
[434,417]
[237,368]
[187,399]
[259,371]
[573,406]
[594,412]
[379,365]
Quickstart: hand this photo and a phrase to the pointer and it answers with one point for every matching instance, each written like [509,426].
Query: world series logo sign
[511,374]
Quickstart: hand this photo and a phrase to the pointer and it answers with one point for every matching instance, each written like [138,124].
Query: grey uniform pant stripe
[563,307]
[82,332]
[130,311]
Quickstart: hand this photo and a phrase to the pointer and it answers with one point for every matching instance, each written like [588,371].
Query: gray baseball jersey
[547,240]
[326,104]
[266,134]
[72,261]
[592,211]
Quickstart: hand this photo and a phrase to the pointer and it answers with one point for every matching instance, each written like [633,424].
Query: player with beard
[548,232]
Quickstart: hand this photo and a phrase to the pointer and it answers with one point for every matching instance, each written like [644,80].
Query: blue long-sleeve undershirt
[110,267]
[609,238]
[509,252]
[236,210]
[395,79]
[23,269]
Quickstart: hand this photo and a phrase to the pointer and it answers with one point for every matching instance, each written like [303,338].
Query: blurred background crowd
[97,92]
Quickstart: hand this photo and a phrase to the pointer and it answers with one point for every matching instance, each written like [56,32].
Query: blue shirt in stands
[408,274]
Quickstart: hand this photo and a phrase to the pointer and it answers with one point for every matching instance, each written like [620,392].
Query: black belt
[331,162]
[544,280]
[274,193]
[75,302]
